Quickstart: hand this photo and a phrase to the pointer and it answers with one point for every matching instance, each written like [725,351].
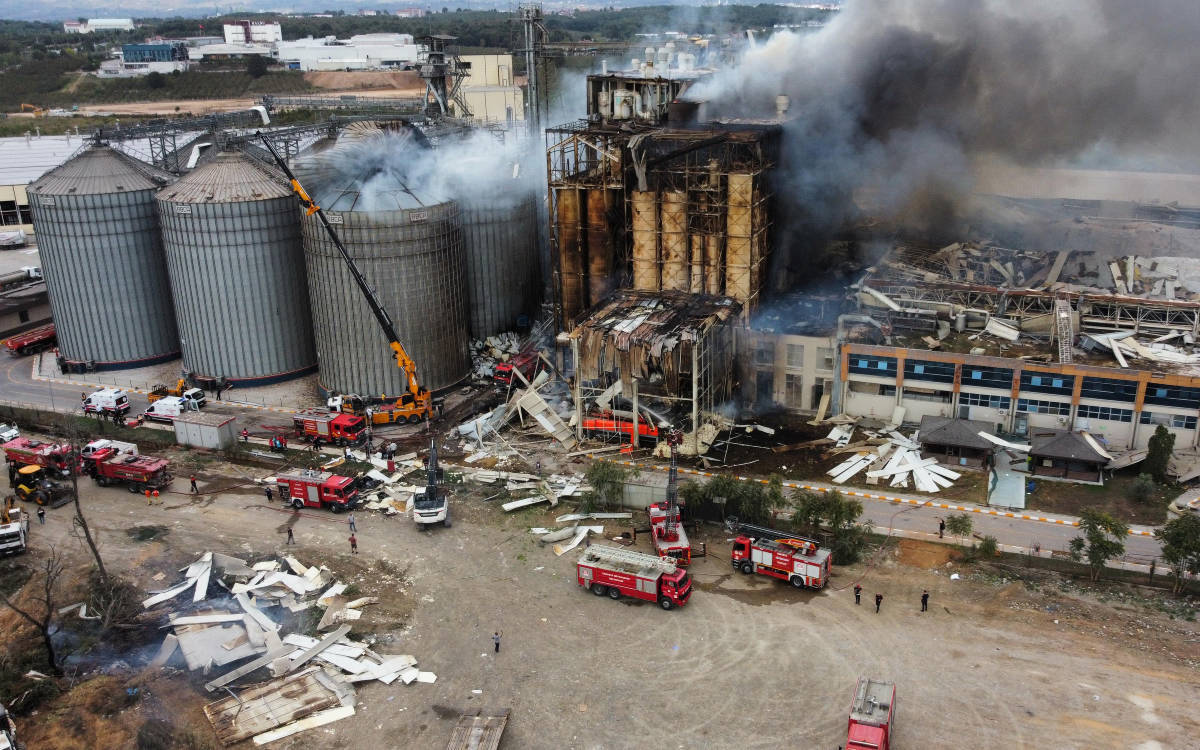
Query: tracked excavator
[418,403]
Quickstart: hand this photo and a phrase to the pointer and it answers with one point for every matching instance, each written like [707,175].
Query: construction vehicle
[666,532]
[418,402]
[618,572]
[317,489]
[23,276]
[339,429]
[136,473]
[433,505]
[58,458]
[35,485]
[180,389]
[107,401]
[871,714]
[36,110]
[798,560]
[403,409]
[529,363]
[32,341]
[14,535]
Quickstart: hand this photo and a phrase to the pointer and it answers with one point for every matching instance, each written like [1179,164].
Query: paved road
[917,517]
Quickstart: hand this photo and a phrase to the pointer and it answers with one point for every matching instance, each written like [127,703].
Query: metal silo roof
[100,170]
[227,178]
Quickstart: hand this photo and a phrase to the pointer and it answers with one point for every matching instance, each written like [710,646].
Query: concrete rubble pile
[887,455]
[487,353]
[568,537]
[313,678]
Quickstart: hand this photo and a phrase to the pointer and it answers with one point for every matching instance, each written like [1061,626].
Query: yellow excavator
[36,110]
[418,403]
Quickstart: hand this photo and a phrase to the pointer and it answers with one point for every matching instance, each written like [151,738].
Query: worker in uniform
[149,500]
[245,435]
[270,495]
[925,600]
[857,594]
[156,497]
[878,601]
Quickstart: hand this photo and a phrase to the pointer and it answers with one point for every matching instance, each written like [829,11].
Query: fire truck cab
[871,714]
[339,429]
[800,562]
[669,539]
[317,489]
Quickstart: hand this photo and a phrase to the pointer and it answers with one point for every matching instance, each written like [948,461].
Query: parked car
[8,432]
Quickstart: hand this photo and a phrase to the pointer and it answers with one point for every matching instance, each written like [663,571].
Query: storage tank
[409,248]
[500,235]
[101,254]
[231,231]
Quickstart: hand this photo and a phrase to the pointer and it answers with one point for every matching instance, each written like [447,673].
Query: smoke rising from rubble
[898,99]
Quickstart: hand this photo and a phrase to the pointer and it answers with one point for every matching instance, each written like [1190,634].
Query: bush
[155,734]
[1141,490]
[155,80]
[987,547]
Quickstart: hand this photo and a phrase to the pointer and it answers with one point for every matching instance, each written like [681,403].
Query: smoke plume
[899,99]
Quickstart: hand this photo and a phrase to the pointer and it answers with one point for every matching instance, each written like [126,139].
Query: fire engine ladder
[672,519]
[639,559]
[764,532]
[1062,321]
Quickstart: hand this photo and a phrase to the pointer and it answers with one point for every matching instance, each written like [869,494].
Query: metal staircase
[1063,329]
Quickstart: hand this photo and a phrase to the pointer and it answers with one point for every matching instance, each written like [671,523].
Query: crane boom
[404,361]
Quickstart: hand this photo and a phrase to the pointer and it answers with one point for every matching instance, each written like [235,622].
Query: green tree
[256,66]
[607,481]
[1103,539]
[816,511]
[960,525]
[1162,444]
[1180,538]
[155,80]
[1141,490]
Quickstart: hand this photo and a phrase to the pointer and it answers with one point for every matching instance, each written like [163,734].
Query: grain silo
[500,235]
[408,247]
[102,256]
[231,230]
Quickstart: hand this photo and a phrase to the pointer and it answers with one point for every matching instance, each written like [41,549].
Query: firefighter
[149,500]
[857,594]
[156,500]
[245,435]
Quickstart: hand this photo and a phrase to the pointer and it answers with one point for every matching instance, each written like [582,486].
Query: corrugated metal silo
[101,252]
[231,229]
[410,250]
[500,237]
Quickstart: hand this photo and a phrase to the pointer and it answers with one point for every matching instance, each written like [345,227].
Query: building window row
[984,399]
[1181,421]
[1109,389]
[1040,382]
[927,394]
[1184,398]
[1031,406]
[935,372]
[987,377]
[871,365]
[12,214]
[1108,414]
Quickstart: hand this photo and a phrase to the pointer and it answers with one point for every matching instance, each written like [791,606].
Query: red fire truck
[339,429]
[799,561]
[621,572]
[31,341]
[666,531]
[54,457]
[137,473]
[871,714]
[317,489]
[609,423]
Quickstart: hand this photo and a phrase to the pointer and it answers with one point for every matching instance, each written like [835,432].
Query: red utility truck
[34,340]
[799,561]
[54,457]
[137,473]
[871,715]
[605,422]
[340,429]
[621,572]
[317,489]
[528,363]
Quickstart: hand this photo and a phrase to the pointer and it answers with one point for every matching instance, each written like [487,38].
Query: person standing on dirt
[195,489]
[291,536]
[353,544]
[155,494]
[941,528]
[878,601]
[925,600]
[496,640]
[353,527]
[857,594]
[245,435]
[270,495]
[41,515]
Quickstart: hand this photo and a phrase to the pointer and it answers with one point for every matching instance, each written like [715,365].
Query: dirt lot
[400,81]
[182,107]
[749,663]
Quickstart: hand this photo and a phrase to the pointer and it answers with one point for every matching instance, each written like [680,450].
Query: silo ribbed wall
[414,260]
[237,274]
[101,254]
[500,239]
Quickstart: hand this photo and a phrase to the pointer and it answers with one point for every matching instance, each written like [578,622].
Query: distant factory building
[23,160]
[228,51]
[143,59]
[359,52]
[253,32]
[93,25]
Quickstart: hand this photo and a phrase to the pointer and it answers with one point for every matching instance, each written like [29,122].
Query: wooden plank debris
[267,705]
[318,719]
[479,730]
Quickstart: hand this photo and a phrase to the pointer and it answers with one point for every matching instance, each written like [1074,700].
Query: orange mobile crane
[418,403]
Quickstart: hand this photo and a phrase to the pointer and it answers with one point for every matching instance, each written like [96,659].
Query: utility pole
[531,20]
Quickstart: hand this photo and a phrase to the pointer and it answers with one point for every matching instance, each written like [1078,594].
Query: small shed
[204,429]
[955,442]
[1071,456]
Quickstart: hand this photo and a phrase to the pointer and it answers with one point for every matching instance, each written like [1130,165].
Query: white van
[119,448]
[166,409]
[196,396]
[108,400]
